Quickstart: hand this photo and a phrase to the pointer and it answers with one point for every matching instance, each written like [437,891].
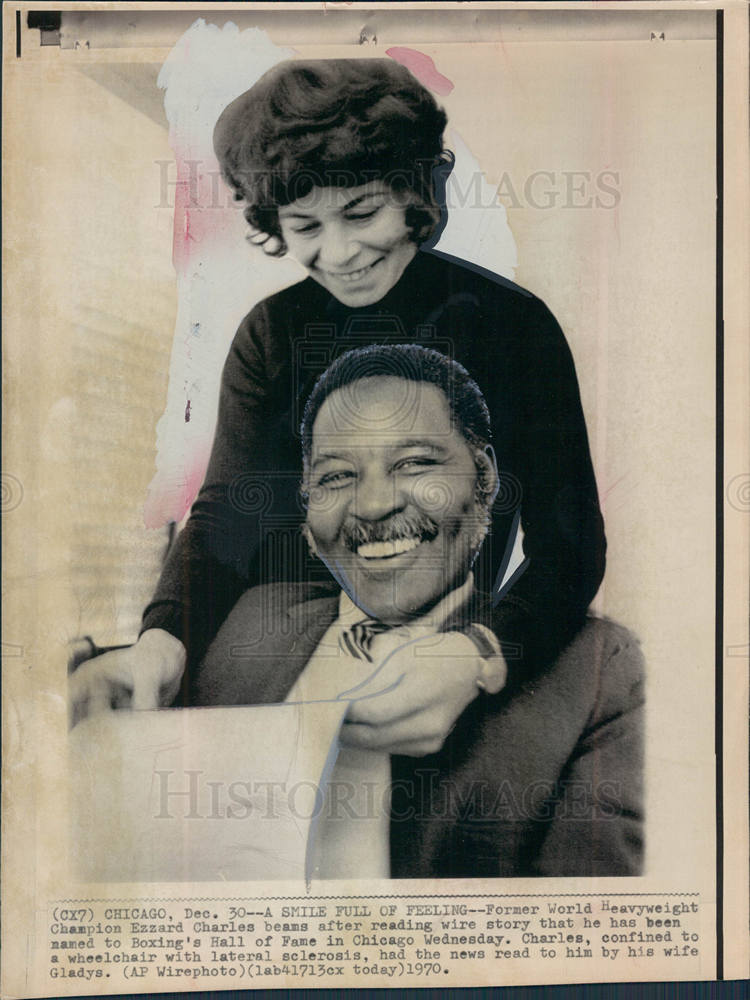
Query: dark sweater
[244,525]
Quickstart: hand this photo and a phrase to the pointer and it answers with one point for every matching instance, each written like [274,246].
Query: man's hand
[142,676]
[413,701]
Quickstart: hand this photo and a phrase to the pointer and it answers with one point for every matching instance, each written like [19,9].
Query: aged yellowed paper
[601,162]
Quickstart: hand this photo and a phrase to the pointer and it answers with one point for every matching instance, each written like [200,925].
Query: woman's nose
[337,247]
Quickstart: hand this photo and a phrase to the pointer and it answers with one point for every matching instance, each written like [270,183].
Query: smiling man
[449,764]
[398,482]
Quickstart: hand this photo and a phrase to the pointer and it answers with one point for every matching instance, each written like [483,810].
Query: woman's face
[353,241]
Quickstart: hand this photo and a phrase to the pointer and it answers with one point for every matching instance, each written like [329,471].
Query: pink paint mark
[605,493]
[201,213]
[171,494]
[193,482]
[422,66]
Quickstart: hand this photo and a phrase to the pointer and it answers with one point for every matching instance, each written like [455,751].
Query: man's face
[393,509]
[353,241]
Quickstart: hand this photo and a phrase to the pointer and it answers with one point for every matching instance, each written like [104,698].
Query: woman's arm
[209,564]
[551,469]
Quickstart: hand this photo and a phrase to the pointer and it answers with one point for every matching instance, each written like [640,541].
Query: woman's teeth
[355,275]
[382,550]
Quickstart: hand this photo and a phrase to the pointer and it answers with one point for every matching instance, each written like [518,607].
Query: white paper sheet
[200,794]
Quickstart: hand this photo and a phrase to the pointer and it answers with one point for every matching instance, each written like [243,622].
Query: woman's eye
[309,228]
[363,216]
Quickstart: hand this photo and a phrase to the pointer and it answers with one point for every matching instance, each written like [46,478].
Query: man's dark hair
[332,123]
[412,363]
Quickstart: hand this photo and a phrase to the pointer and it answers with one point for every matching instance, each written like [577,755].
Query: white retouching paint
[219,276]
[477,230]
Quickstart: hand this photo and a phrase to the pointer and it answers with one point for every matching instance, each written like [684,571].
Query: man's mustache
[356,532]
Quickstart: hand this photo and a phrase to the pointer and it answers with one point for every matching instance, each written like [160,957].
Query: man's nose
[378,496]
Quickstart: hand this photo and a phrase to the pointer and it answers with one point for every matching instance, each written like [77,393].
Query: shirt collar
[433,619]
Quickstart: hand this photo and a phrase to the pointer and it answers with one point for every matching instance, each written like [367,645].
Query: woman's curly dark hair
[332,122]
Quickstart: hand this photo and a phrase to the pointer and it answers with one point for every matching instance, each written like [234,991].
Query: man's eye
[415,463]
[335,480]
[309,228]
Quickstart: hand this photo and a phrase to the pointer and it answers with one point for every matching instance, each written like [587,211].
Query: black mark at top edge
[46,20]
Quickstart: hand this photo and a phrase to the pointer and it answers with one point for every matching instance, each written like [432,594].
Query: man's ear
[488,476]
[309,539]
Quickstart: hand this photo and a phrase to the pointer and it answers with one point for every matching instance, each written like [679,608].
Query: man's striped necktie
[358,638]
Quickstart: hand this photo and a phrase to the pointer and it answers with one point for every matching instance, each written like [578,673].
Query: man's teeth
[381,550]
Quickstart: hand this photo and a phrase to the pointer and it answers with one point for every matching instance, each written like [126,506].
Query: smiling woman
[332,124]
[352,241]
